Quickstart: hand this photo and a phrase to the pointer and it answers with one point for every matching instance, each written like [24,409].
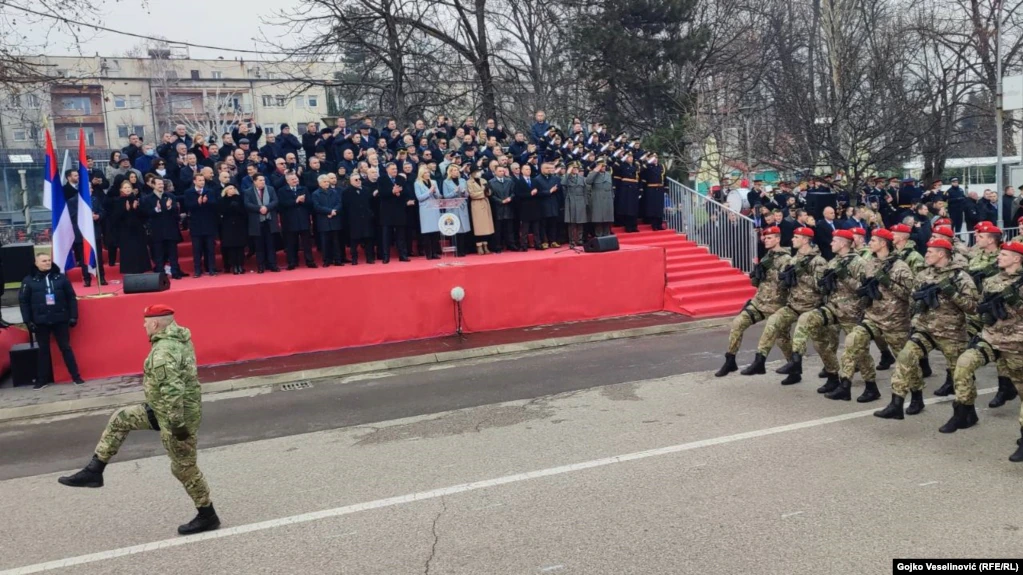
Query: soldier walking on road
[769,298]
[1001,340]
[800,277]
[943,294]
[173,407]
[885,289]
[842,310]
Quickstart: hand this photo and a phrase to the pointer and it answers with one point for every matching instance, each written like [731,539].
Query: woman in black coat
[127,220]
[234,228]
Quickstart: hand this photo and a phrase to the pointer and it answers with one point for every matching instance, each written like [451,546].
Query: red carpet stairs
[699,284]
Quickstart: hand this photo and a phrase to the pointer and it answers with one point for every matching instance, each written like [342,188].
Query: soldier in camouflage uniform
[842,310]
[907,252]
[863,250]
[173,407]
[800,278]
[943,294]
[1000,340]
[885,284]
[769,298]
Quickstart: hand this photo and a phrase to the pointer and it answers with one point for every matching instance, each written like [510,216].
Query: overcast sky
[231,24]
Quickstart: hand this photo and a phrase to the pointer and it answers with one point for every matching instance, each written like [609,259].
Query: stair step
[691,257]
[715,283]
[715,309]
[716,265]
[686,298]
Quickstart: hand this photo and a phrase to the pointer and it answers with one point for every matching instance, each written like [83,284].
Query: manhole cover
[296,386]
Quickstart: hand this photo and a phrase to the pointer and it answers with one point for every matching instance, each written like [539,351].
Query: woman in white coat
[429,214]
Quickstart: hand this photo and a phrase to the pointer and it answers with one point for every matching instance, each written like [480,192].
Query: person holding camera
[49,306]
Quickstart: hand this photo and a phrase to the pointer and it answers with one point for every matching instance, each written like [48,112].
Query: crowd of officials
[364,191]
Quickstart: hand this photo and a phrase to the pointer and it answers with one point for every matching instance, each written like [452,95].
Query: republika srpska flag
[63,228]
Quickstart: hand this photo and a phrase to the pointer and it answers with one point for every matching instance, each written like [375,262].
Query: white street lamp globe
[457,293]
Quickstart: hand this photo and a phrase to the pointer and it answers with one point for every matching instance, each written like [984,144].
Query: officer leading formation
[173,408]
[965,303]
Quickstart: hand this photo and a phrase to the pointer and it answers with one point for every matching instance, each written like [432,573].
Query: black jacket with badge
[32,297]
[164,222]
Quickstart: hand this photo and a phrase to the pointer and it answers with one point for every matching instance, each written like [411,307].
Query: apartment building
[110,98]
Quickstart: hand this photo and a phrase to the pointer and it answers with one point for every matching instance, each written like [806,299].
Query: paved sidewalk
[25,403]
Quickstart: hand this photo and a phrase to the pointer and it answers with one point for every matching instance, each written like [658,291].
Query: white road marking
[928,483]
[793,514]
[443,492]
[552,568]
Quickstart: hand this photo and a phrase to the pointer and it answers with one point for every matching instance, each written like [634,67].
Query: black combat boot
[822,373]
[963,417]
[887,360]
[830,385]
[842,392]
[90,476]
[925,367]
[795,360]
[728,367]
[206,520]
[870,393]
[1018,455]
[946,388]
[757,367]
[893,410]
[1006,392]
[916,404]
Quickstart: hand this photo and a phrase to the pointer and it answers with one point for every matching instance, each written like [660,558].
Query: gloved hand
[949,289]
[72,322]
[180,433]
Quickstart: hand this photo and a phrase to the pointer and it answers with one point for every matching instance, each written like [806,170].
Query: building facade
[112,97]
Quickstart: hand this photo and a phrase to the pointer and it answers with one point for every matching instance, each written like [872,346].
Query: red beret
[989,229]
[901,229]
[1016,247]
[859,232]
[944,231]
[844,234]
[940,243]
[1020,221]
[884,234]
[158,310]
[943,222]
[805,232]
[773,230]
[980,226]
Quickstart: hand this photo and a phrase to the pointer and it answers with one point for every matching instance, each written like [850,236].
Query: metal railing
[726,233]
[970,237]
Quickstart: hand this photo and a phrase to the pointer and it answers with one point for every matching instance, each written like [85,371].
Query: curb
[99,403]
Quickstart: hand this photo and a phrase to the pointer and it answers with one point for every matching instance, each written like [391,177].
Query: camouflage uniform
[887,318]
[942,328]
[770,297]
[173,400]
[1001,342]
[982,265]
[843,310]
[803,297]
[912,257]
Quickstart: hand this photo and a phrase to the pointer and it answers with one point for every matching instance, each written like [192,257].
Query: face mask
[161,172]
[150,152]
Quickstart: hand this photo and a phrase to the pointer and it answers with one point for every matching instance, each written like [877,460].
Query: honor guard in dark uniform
[652,180]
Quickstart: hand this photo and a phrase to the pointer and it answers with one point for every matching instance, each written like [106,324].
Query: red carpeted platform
[236,318]
[699,283]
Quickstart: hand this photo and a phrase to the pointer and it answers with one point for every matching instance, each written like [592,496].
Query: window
[268,101]
[282,101]
[125,131]
[77,103]
[71,135]
[120,102]
[14,101]
[269,129]
[307,101]
[20,135]
[195,74]
[313,101]
[180,102]
[217,75]
[32,101]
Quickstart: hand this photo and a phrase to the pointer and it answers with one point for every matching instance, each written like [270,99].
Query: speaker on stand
[601,244]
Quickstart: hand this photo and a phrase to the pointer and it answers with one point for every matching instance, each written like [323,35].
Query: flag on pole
[63,230]
[85,223]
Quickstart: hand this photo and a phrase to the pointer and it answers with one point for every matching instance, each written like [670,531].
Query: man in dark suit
[823,234]
[201,203]
[393,216]
[296,207]
[261,203]
[71,198]
[163,211]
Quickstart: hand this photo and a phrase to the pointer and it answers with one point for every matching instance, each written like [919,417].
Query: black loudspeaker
[18,262]
[24,363]
[144,283]
[601,244]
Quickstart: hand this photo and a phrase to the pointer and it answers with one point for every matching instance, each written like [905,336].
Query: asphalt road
[610,458]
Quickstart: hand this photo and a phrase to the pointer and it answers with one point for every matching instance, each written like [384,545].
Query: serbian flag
[63,230]
[85,223]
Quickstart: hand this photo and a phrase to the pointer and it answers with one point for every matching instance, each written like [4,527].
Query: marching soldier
[841,310]
[943,294]
[1001,340]
[770,296]
[884,288]
[173,407]
[800,278]
[907,252]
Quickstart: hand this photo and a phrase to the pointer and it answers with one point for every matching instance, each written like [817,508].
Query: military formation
[963,302]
